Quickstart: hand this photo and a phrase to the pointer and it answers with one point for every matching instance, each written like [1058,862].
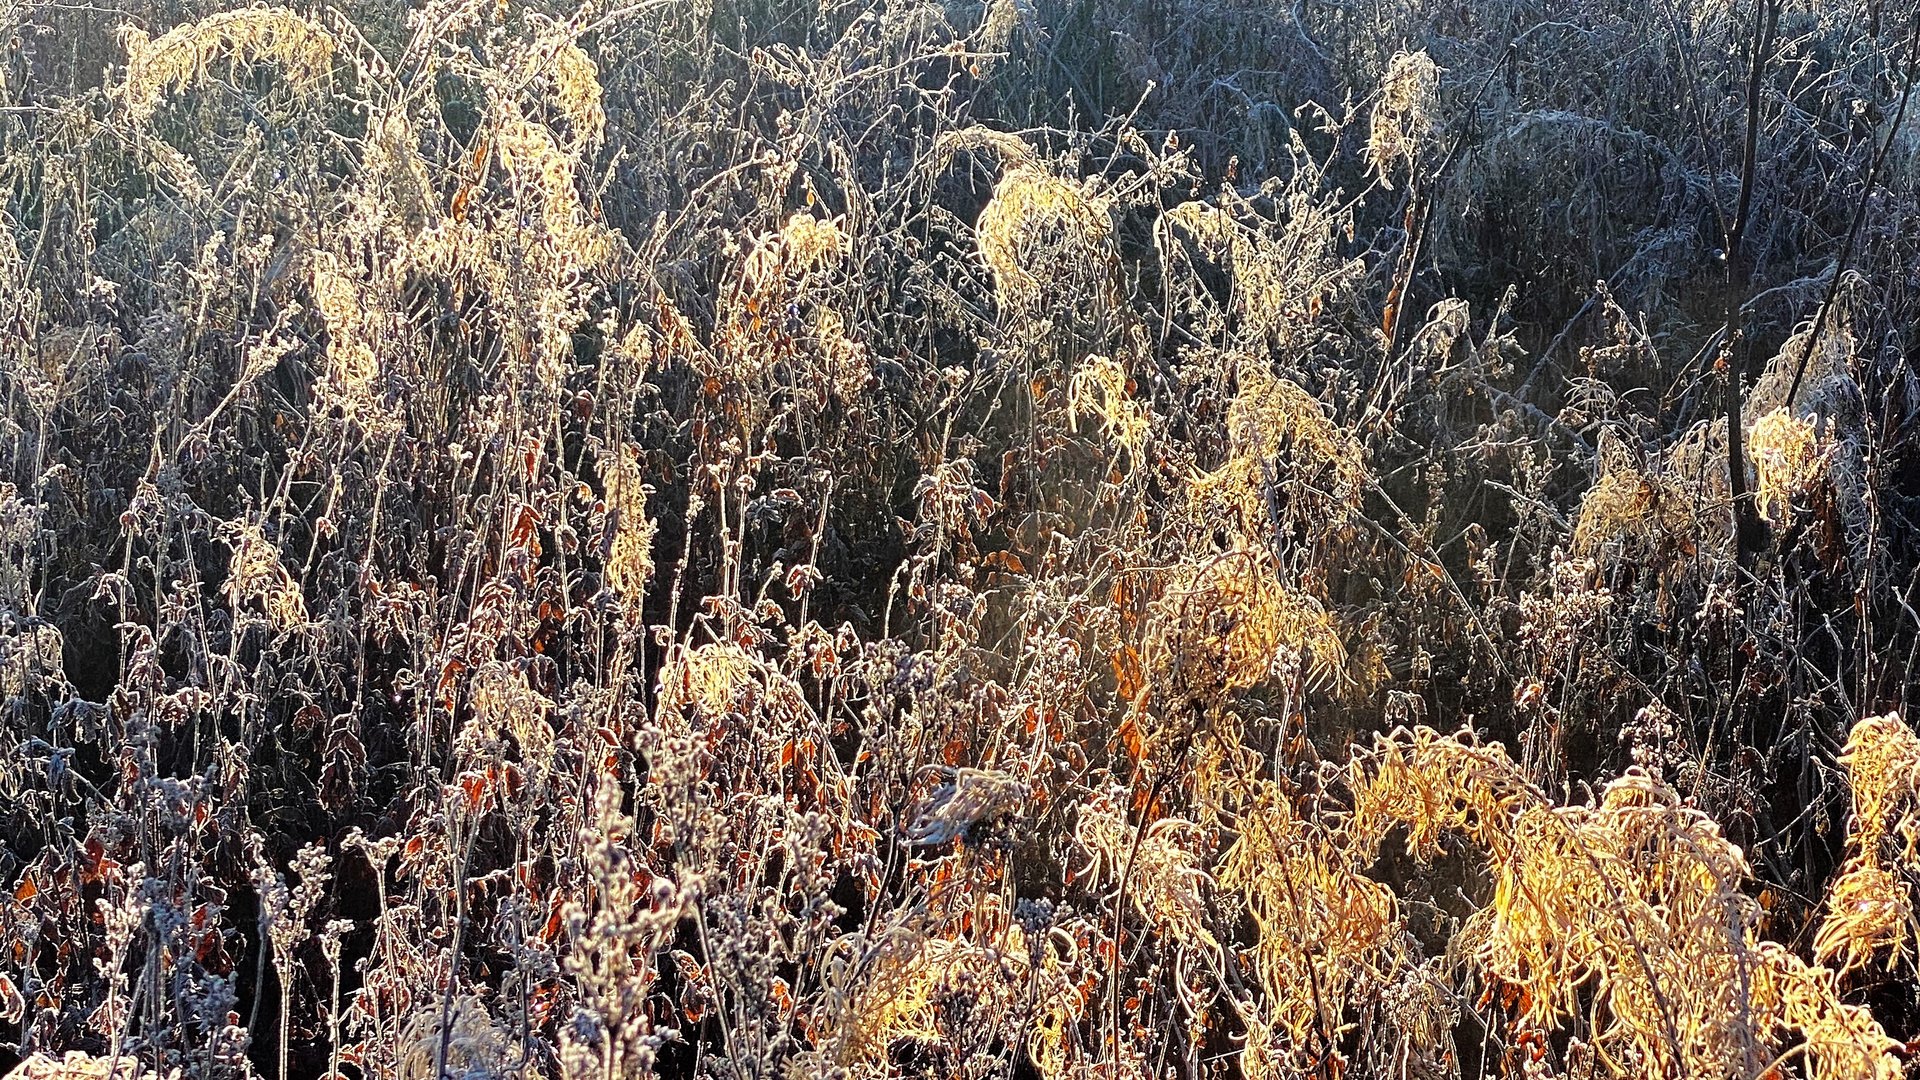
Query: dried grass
[914,539]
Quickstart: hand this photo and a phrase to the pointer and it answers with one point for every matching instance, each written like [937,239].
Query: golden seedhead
[1631,515]
[1226,622]
[1163,875]
[1788,458]
[256,574]
[629,564]
[301,47]
[353,368]
[1869,907]
[1041,234]
[1098,391]
[1404,114]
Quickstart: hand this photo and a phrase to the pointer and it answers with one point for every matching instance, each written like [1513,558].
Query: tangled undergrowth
[1035,538]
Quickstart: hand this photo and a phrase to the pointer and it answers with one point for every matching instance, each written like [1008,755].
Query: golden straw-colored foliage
[1328,935]
[1631,515]
[1404,114]
[302,48]
[1869,909]
[257,575]
[774,539]
[1099,392]
[1631,909]
[1040,232]
[1787,460]
[1227,623]
[630,547]
[1159,869]
[1272,415]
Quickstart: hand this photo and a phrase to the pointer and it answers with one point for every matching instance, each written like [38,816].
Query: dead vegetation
[1025,539]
